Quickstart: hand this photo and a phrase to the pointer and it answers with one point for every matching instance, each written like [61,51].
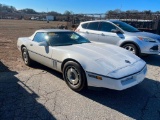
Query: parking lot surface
[40,93]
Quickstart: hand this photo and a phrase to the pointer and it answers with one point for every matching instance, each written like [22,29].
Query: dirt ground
[10,30]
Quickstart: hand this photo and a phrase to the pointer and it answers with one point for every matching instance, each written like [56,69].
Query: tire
[74,76]
[25,57]
[132,48]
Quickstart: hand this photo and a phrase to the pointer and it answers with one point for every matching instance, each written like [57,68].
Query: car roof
[111,20]
[53,30]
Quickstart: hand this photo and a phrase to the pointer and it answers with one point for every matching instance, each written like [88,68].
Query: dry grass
[10,30]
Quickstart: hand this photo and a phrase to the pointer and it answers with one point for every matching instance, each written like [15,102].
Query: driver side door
[40,53]
[107,36]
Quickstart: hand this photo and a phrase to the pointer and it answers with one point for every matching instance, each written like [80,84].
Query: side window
[93,26]
[84,25]
[106,27]
[39,37]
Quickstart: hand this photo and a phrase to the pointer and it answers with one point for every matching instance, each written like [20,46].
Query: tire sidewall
[24,49]
[133,46]
[82,79]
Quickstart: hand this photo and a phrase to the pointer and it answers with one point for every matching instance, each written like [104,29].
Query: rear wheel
[74,76]
[25,56]
[132,48]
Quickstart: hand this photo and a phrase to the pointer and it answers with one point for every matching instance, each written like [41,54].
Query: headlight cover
[147,39]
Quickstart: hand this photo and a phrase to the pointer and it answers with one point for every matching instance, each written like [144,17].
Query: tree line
[12,9]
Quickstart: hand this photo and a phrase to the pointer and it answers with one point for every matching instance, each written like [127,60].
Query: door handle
[103,34]
[31,44]
[87,32]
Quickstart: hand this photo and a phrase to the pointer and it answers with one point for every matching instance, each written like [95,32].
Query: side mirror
[116,31]
[44,43]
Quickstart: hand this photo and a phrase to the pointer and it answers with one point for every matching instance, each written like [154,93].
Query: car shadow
[18,101]
[132,102]
[152,59]
[37,65]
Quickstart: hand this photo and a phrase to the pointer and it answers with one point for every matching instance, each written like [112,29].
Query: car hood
[108,57]
[144,34]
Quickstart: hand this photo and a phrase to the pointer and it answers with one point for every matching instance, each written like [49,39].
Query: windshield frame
[70,38]
[125,27]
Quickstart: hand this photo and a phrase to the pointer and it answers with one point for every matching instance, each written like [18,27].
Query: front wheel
[74,76]
[132,48]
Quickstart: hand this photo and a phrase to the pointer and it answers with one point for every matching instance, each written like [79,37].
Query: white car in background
[121,34]
[83,63]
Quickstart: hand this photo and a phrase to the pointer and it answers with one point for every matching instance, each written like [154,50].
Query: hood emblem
[127,61]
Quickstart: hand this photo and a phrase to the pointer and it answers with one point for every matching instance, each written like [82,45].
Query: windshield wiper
[63,45]
[136,31]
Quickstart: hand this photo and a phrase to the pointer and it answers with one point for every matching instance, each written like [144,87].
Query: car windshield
[126,27]
[64,38]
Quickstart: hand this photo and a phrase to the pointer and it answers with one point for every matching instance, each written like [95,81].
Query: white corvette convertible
[83,63]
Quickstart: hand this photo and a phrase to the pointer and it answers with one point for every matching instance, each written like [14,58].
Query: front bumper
[150,48]
[117,84]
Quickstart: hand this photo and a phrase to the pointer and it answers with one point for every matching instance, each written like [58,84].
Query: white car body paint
[118,68]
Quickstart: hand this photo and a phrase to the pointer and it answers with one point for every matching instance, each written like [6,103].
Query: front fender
[86,63]
[134,41]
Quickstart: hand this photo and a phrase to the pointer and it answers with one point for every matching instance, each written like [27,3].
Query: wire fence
[143,21]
